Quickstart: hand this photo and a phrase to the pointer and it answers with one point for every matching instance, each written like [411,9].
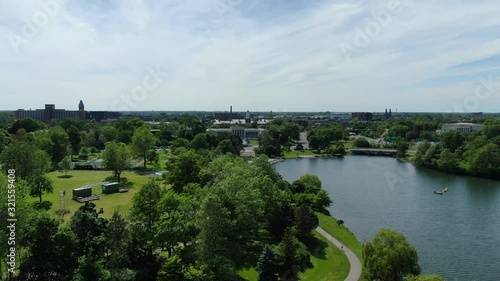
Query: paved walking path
[355,271]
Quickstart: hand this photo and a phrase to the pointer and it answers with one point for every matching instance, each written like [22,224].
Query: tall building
[248,118]
[81,111]
[50,112]
[363,116]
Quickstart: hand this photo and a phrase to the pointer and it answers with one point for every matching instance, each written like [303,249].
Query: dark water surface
[457,235]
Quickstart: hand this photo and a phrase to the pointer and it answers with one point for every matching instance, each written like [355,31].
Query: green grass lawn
[329,262]
[254,142]
[347,144]
[297,153]
[109,202]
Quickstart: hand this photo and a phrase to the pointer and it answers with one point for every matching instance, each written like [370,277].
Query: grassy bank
[297,153]
[341,233]
[329,263]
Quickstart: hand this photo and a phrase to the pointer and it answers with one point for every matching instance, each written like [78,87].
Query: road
[355,271]
[303,140]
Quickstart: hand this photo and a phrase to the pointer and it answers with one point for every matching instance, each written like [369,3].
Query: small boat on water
[441,192]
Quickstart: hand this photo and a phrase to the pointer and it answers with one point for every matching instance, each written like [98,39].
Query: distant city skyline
[280,56]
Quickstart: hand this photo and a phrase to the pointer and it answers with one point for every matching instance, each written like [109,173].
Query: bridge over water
[374,151]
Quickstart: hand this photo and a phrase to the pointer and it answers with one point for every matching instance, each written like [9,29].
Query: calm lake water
[457,235]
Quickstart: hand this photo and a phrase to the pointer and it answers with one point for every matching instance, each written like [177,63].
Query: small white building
[461,127]
[243,133]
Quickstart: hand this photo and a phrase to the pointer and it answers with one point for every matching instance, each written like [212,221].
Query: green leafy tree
[270,145]
[108,133]
[172,269]
[51,252]
[432,155]
[4,139]
[448,161]
[291,255]
[305,221]
[402,147]
[318,142]
[452,140]
[421,151]
[390,257]
[142,141]
[65,165]
[117,236]
[84,153]
[184,169]
[145,214]
[267,266]
[75,139]
[89,230]
[28,161]
[215,246]
[39,185]
[60,145]
[166,134]
[178,143]
[361,142]
[28,124]
[91,268]
[199,142]
[172,226]
[234,146]
[117,157]
[486,161]
[225,146]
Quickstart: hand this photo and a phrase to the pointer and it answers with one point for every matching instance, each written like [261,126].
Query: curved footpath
[355,271]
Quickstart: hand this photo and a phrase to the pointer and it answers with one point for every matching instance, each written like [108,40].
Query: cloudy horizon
[281,56]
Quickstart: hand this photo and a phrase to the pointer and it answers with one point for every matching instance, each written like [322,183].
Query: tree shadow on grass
[124,182]
[42,206]
[249,255]
[65,176]
[316,247]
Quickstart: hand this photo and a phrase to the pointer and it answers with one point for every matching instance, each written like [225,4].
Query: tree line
[203,226]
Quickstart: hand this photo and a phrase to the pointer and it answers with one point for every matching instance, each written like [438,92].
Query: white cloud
[98,50]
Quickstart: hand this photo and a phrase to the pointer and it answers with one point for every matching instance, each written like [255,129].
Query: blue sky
[295,55]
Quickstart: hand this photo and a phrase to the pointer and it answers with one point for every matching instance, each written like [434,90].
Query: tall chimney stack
[231,109]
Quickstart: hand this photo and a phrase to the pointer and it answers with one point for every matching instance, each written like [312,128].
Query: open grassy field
[254,142]
[109,202]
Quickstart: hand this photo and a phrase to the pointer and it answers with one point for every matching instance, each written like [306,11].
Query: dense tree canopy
[28,161]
